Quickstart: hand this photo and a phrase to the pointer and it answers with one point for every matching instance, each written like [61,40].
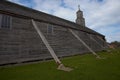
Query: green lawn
[86,67]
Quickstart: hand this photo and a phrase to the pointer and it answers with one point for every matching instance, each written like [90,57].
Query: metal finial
[78,7]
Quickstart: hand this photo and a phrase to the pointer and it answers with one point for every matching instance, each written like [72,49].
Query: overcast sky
[102,16]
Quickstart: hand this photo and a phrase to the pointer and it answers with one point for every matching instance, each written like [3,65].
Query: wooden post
[97,56]
[61,66]
[96,41]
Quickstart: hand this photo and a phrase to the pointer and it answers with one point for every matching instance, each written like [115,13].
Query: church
[20,42]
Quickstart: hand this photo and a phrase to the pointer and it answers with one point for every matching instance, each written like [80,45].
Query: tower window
[5,21]
[50,29]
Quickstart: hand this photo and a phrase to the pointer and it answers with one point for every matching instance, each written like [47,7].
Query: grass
[86,67]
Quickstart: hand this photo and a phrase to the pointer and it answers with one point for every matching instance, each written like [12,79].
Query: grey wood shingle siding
[22,42]
[40,16]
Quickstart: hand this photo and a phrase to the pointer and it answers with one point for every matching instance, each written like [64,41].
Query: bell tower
[80,19]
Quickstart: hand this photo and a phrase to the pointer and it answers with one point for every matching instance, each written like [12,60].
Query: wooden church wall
[22,43]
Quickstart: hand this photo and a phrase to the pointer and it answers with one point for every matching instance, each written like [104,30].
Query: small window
[50,29]
[5,21]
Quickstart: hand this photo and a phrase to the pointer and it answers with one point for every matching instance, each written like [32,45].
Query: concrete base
[62,67]
[98,57]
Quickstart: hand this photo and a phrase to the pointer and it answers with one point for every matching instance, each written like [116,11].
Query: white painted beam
[46,43]
[61,66]
[84,43]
